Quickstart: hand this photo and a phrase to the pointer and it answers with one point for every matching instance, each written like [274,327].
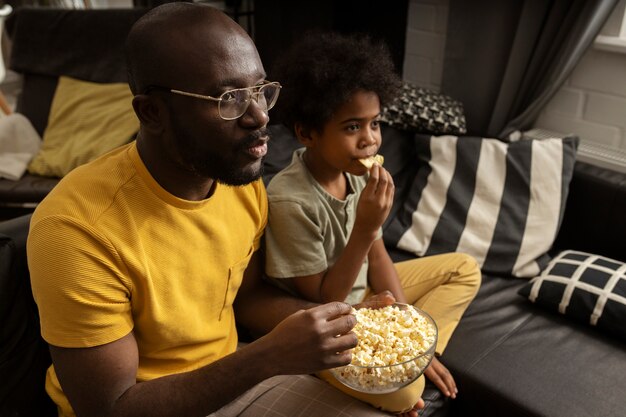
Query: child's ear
[303,134]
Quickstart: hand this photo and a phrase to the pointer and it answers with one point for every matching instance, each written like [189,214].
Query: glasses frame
[253,95]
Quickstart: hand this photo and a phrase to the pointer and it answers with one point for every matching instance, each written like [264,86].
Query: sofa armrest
[24,354]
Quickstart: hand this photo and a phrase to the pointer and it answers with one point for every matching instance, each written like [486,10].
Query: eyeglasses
[232,104]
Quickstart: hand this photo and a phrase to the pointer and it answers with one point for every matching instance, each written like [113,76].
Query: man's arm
[101,381]
[260,306]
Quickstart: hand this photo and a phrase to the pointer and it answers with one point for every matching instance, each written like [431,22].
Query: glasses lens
[234,103]
[270,95]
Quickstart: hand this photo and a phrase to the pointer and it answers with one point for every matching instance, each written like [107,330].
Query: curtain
[505,59]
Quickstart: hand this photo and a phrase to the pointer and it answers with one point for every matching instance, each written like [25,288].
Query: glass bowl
[396,345]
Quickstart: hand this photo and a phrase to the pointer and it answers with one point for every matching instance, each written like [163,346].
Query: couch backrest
[24,355]
[595,213]
[83,44]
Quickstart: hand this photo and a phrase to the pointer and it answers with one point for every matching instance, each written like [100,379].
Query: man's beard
[219,167]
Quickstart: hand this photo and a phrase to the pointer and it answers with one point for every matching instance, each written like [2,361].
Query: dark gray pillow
[587,287]
[421,110]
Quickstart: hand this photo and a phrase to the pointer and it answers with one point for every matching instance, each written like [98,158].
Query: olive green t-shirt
[308,228]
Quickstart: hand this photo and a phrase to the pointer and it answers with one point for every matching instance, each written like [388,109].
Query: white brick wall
[425,42]
[591,103]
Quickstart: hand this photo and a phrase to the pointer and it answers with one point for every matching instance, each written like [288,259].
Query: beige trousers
[443,286]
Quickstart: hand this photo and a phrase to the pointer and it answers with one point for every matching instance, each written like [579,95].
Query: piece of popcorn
[370,161]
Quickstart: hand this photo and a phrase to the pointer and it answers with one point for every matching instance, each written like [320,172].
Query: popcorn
[388,336]
[371,160]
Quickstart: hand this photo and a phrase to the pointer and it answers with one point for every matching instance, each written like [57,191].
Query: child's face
[352,133]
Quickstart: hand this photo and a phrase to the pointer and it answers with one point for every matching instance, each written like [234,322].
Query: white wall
[591,103]
[425,42]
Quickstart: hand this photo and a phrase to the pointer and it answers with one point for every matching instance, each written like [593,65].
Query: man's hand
[441,377]
[314,339]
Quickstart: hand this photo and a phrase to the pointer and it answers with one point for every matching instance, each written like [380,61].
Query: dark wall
[279,22]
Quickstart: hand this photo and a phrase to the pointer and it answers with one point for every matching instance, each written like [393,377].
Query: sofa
[509,356]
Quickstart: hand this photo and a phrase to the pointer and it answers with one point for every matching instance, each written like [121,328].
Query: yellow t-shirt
[110,252]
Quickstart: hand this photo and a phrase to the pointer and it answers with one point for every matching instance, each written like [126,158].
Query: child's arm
[336,282]
[382,275]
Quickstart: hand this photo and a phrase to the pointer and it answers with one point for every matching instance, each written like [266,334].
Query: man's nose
[256,114]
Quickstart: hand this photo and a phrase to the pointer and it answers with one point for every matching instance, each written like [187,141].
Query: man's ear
[150,112]
[304,134]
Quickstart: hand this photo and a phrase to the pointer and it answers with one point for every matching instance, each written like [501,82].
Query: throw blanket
[19,143]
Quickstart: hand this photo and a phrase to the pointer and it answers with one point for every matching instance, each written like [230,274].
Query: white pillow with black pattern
[584,286]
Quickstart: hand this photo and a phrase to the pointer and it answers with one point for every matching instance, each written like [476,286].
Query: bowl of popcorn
[396,344]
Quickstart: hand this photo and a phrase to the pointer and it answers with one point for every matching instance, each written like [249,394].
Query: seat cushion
[522,361]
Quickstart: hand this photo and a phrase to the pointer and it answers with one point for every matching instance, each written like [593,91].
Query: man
[140,260]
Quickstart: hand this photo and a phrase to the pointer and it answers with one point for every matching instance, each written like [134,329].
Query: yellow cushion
[86,120]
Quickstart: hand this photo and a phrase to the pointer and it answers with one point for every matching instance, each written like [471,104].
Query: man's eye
[229,96]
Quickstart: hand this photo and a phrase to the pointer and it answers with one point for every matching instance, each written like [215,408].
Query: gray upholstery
[24,356]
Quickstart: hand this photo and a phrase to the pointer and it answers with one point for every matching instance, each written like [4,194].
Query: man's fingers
[341,325]
[331,310]
[339,359]
[343,343]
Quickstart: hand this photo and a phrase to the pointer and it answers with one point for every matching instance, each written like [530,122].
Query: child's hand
[375,201]
[382,299]
[441,377]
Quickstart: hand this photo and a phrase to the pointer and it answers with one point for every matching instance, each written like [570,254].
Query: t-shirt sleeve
[79,284]
[294,242]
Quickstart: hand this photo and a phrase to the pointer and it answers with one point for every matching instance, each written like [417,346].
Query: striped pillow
[499,202]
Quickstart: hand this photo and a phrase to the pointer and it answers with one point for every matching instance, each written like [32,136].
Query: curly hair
[321,71]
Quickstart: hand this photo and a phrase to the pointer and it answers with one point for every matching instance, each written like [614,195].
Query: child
[326,209]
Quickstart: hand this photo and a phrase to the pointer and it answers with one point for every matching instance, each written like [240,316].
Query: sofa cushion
[587,287]
[510,359]
[86,120]
[499,202]
[420,110]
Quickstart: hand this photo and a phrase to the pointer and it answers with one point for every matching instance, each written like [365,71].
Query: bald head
[171,42]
